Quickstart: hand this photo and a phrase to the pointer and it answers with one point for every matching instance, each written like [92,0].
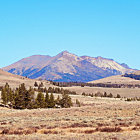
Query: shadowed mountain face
[67,67]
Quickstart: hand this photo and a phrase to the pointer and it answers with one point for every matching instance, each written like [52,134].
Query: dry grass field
[96,119]
[124,92]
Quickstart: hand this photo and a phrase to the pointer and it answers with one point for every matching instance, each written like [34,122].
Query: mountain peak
[99,57]
[125,66]
[65,52]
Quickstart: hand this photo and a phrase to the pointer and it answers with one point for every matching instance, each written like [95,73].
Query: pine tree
[17,100]
[7,85]
[51,101]
[40,101]
[56,90]
[65,102]
[41,84]
[84,94]
[118,96]
[50,90]
[105,94]
[47,97]
[36,84]
[27,100]
[4,96]
[7,94]
[45,89]
[32,94]
[20,97]
[11,97]
[110,95]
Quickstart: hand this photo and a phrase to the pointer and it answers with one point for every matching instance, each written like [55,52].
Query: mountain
[125,66]
[107,64]
[67,67]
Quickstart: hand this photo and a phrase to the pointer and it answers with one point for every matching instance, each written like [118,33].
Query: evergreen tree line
[40,88]
[133,76]
[110,95]
[99,94]
[108,85]
[22,98]
[133,99]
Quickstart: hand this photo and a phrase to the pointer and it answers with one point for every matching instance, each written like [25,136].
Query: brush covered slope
[67,67]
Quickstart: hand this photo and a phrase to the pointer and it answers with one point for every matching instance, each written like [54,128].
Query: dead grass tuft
[19,131]
[89,131]
[79,125]
[5,131]
[50,132]
[109,129]
[136,128]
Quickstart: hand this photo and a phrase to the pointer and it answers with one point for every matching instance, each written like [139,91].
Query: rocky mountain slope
[67,67]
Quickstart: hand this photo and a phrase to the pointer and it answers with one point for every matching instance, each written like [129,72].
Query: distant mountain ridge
[67,67]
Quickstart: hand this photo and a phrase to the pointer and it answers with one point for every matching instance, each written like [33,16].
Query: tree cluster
[41,88]
[134,76]
[22,98]
[99,94]
[133,99]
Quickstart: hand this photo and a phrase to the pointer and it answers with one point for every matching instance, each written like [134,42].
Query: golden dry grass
[124,92]
[97,118]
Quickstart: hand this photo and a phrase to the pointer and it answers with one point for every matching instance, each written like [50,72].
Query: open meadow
[96,119]
[124,92]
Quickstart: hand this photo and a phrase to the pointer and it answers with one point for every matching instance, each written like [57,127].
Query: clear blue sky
[107,28]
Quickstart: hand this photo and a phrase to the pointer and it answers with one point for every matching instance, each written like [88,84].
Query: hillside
[119,79]
[67,67]
[137,72]
[15,80]
[134,75]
